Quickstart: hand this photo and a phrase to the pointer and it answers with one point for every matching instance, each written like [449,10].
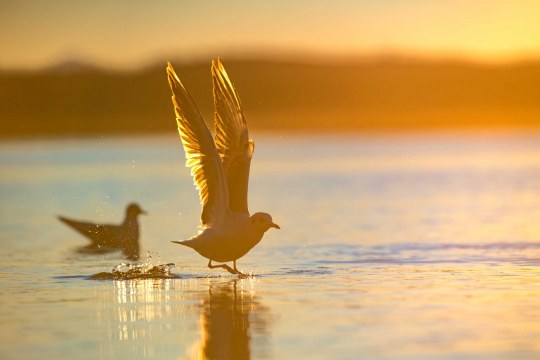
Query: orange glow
[124,34]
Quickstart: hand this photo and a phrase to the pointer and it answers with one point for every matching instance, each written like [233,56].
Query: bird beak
[143,212]
[275,226]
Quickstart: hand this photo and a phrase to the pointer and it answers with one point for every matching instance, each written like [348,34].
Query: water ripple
[521,253]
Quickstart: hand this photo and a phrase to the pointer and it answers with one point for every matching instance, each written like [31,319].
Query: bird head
[134,209]
[263,221]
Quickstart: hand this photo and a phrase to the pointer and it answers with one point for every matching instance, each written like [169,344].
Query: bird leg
[224,266]
[235,269]
[238,271]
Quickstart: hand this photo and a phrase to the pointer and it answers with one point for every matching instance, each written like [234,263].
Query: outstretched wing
[232,138]
[201,153]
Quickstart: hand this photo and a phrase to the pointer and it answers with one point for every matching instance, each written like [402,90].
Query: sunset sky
[129,34]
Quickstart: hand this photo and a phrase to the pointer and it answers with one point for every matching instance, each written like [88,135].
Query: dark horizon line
[80,65]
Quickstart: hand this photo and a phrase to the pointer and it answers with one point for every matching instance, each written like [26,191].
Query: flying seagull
[220,170]
[110,237]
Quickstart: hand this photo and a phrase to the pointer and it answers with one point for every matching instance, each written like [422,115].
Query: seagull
[220,169]
[124,236]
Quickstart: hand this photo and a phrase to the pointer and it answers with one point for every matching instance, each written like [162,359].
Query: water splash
[146,270]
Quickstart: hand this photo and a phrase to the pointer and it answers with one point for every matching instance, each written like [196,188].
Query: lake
[391,247]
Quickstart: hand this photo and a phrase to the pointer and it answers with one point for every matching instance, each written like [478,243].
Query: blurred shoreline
[360,135]
[376,95]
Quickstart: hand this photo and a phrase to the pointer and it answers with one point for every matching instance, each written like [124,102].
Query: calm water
[392,247]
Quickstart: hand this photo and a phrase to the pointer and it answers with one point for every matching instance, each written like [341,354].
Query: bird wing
[201,153]
[232,138]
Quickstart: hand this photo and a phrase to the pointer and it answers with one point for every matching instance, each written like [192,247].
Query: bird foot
[234,271]
[240,274]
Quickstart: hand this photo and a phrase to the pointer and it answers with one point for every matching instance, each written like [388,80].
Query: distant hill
[394,94]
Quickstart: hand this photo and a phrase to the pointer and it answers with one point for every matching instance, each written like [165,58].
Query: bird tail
[183,242]
[86,229]
[76,225]
[63,219]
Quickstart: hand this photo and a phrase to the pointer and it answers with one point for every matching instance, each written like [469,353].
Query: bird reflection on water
[233,324]
[227,322]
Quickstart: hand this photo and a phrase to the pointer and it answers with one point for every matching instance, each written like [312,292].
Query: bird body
[220,169]
[228,241]
[124,236]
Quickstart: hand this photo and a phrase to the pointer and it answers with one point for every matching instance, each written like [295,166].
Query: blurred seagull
[220,170]
[104,236]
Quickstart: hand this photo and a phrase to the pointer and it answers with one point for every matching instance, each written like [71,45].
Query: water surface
[392,247]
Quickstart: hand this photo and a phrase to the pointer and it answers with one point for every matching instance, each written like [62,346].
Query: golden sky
[132,33]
